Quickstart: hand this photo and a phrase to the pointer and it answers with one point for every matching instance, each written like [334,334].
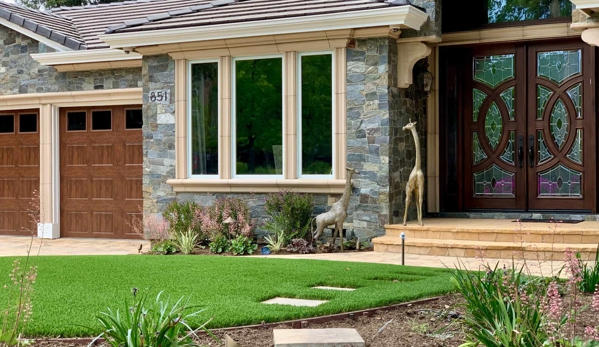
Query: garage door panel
[76,155]
[27,188]
[7,155]
[77,188]
[103,223]
[27,222]
[29,156]
[102,172]
[76,222]
[103,155]
[8,221]
[134,154]
[8,188]
[103,189]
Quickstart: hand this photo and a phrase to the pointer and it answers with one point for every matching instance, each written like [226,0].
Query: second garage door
[101,158]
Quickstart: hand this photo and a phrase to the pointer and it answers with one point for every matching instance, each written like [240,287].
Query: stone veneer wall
[20,74]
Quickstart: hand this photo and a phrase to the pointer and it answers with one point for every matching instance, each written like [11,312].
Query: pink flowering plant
[508,308]
[212,219]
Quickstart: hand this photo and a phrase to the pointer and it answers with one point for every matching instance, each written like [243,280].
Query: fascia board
[84,56]
[404,16]
[37,37]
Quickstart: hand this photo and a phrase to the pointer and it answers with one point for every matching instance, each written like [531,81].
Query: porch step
[495,238]
[491,250]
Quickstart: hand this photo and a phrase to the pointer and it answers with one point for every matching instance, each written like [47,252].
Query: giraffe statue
[338,212]
[416,181]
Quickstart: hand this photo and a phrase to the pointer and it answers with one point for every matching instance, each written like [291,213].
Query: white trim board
[84,56]
[46,41]
[396,16]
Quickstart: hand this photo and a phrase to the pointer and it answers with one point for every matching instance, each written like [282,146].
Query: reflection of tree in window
[204,118]
[259,116]
[316,115]
[500,11]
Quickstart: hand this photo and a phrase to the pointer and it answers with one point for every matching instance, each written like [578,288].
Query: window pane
[101,120]
[28,123]
[204,119]
[7,124]
[500,11]
[134,119]
[316,114]
[259,116]
[76,121]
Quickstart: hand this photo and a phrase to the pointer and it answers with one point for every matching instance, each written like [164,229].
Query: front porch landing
[491,238]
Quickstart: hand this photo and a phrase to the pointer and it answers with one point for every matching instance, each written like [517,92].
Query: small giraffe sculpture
[416,181]
[338,212]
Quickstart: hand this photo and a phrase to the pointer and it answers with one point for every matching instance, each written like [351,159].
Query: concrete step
[487,249]
[495,230]
[317,338]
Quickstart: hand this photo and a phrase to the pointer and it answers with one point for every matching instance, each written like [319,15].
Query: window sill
[314,186]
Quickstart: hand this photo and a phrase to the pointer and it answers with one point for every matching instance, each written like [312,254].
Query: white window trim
[189,120]
[234,117]
[300,175]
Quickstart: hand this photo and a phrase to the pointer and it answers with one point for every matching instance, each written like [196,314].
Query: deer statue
[416,181]
[338,212]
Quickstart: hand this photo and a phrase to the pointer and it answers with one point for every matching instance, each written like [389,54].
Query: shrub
[220,245]
[590,274]
[164,247]
[150,227]
[290,213]
[211,218]
[186,242]
[242,245]
[275,242]
[149,323]
[182,217]
[300,246]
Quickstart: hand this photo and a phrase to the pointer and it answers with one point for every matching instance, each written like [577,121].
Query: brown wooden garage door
[19,171]
[101,161]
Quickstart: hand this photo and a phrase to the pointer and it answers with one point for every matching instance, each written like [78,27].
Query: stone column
[49,226]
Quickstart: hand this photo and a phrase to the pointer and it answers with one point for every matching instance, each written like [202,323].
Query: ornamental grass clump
[590,274]
[151,323]
[507,308]
[290,214]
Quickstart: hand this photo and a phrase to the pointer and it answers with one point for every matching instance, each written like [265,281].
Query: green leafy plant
[220,245]
[181,216]
[242,245]
[501,309]
[291,213]
[186,242]
[275,242]
[151,323]
[164,247]
[590,274]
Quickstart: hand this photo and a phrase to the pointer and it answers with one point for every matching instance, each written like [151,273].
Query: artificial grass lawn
[71,291]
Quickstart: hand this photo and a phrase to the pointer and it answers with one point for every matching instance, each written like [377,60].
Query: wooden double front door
[529,127]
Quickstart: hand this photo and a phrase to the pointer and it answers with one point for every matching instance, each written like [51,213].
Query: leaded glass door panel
[561,127]
[495,121]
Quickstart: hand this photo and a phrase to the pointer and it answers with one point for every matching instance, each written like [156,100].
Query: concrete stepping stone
[317,338]
[294,302]
[334,288]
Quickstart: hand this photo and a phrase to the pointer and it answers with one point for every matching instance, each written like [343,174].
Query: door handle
[531,150]
[521,151]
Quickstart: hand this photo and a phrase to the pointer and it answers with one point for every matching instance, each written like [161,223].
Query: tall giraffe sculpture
[416,181]
[338,212]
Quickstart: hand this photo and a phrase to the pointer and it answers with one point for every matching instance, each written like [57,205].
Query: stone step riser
[500,236]
[460,251]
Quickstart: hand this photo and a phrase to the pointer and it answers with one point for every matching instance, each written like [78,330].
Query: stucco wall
[20,74]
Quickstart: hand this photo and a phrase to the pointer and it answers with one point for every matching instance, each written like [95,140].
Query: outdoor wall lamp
[425,80]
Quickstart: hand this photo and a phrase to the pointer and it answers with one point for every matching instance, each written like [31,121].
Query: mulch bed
[429,324]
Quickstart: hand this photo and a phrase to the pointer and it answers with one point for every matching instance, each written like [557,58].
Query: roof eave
[37,37]
[72,58]
[395,16]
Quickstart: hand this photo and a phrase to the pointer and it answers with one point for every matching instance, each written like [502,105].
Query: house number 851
[160,96]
